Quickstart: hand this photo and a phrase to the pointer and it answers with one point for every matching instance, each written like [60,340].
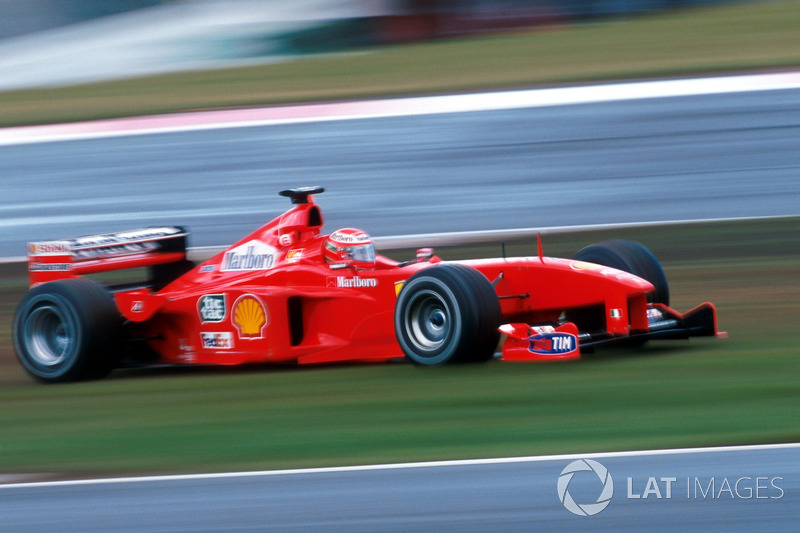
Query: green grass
[744,389]
[756,35]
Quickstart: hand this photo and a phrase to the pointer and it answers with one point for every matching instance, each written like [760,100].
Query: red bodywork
[272,297]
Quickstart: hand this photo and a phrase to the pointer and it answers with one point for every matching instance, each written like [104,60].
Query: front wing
[523,342]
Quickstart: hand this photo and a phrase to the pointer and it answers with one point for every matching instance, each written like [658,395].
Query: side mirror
[424,255]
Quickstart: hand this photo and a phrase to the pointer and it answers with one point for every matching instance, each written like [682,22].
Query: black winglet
[300,195]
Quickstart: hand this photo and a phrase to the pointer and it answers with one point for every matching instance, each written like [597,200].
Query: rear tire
[631,257]
[67,330]
[447,314]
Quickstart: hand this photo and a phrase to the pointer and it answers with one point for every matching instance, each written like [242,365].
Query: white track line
[483,236]
[396,107]
[397,466]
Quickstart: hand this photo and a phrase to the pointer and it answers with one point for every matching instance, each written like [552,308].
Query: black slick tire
[67,330]
[631,257]
[447,313]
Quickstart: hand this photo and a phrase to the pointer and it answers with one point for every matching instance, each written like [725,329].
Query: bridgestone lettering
[49,267]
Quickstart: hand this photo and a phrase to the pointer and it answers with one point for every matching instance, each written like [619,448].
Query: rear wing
[90,254]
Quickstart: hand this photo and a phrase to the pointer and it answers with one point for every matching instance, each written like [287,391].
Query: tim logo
[555,343]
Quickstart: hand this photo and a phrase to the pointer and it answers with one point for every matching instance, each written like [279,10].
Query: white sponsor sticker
[125,237]
[49,267]
[352,283]
[222,340]
[252,255]
[49,248]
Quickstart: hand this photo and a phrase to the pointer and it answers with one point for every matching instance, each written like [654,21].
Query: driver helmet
[350,244]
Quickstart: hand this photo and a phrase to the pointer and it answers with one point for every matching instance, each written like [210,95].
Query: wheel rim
[48,336]
[427,321]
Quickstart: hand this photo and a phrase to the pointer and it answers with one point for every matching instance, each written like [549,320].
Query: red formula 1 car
[288,293]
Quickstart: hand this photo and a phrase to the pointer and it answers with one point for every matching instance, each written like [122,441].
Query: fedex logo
[217,341]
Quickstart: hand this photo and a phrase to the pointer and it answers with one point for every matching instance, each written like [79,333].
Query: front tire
[67,330]
[447,314]
[631,257]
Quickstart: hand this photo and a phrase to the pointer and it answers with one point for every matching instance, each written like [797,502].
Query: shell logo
[249,315]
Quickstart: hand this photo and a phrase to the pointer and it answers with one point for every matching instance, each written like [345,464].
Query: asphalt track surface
[735,490]
[674,158]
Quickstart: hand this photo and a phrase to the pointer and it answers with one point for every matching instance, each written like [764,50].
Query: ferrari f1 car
[286,292]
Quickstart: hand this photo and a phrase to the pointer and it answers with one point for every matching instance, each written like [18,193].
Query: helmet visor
[363,253]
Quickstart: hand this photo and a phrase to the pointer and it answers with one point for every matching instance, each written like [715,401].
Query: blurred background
[57,42]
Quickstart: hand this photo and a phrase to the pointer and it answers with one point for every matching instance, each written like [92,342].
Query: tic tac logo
[211,308]
[592,468]
[249,315]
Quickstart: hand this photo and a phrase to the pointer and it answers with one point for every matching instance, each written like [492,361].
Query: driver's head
[350,244]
